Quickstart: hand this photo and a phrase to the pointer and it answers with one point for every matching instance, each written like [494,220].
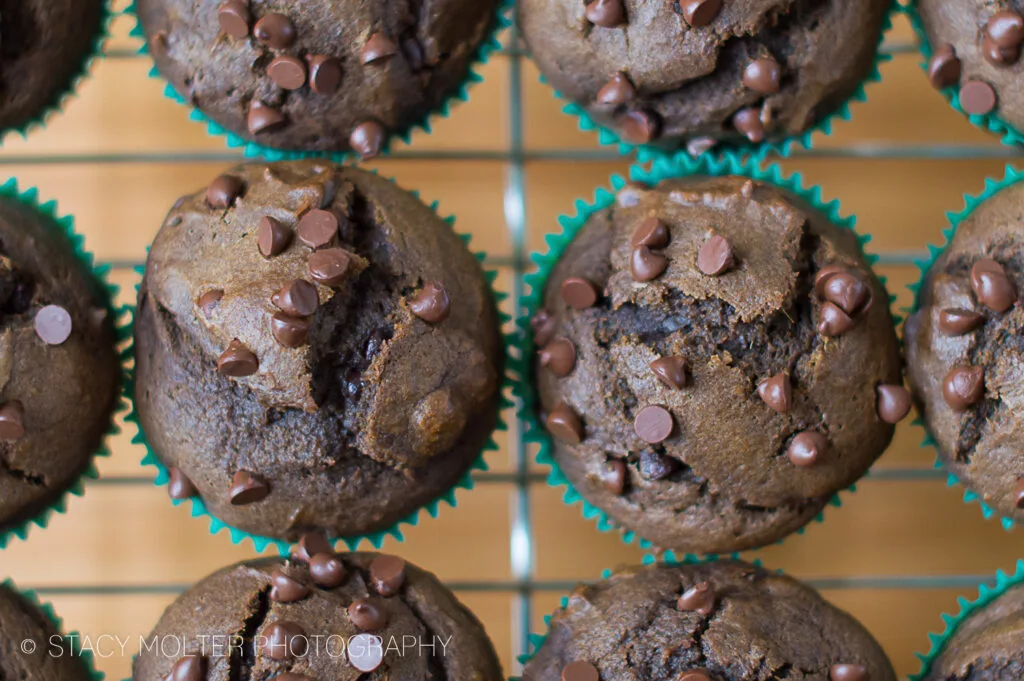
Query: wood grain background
[122,153]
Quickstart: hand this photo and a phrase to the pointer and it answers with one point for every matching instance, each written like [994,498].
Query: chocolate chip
[848,672]
[847,291]
[284,640]
[580,671]
[179,487]
[275,30]
[431,303]
[694,675]
[263,117]
[618,90]
[12,421]
[237,361]
[378,48]
[715,256]
[606,13]
[234,18]
[564,424]
[992,286]
[1006,29]
[413,51]
[671,371]
[763,76]
[822,277]
[287,72]
[272,237]
[209,301]
[964,386]
[807,448]
[956,321]
[388,575]
[324,74]
[297,298]
[311,544]
[699,598]
[289,331]
[247,488]
[559,356]
[285,589]
[578,293]
[544,327]
[748,121]
[640,127]
[365,652]
[646,265]
[998,55]
[893,403]
[329,266]
[977,98]
[317,228]
[700,13]
[653,424]
[53,324]
[652,233]
[777,393]
[1018,495]
[327,570]
[655,466]
[832,321]
[367,139]
[223,191]
[698,146]
[368,614]
[944,67]
[613,476]
[189,668]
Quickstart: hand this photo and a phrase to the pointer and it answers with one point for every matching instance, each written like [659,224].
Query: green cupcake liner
[986,594]
[992,187]
[61,98]
[782,147]
[376,539]
[253,150]
[660,169]
[1008,134]
[106,292]
[84,654]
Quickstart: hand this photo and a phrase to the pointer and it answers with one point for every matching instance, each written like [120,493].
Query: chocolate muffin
[716,360]
[44,45]
[60,375]
[52,657]
[975,47]
[964,359]
[317,75]
[987,646]
[726,621]
[699,72]
[323,616]
[316,349]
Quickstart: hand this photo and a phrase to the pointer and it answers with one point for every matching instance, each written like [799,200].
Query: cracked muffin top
[698,72]
[319,617]
[716,360]
[43,44]
[316,75]
[987,646]
[60,375]
[723,621]
[22,620]
[316,350]
[964,352]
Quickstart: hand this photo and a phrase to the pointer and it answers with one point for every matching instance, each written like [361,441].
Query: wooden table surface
[898,553]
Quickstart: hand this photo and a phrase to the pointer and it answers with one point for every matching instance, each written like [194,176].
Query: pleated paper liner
[661,169]
[992,187]
[253,150]
[106,292]
[376,539]
[782,146]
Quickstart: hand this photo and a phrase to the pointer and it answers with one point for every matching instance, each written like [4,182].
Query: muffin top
[963,357]
[724,621]
[987,646]
[53,658]
[59,368]
[45,43]
[317,75]
[320,616]
[716,361]
[704,71]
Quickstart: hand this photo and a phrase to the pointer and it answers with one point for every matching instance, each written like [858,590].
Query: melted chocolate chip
[289,331]
[748,121]
[367,139]
[223,191]
[378,48]
[578,293]
[179,487]
[646,265]
[327,570]
[297,298]
[700,13]
[431,303]
[189,668]
[618,90]
[893,403]
[247,488]
[992,286]
[234,18]
[564,424]
[328,266]
[944,68]
[977,98]
[963,386]
[580,671]
[543,326]
[284,589]
[807,448]
[655,466]
[848,672]
[847,291]
[715,256]
[699,598]
[12,421]
[640,127]
[388,575]
[559,356]
[1006,29]
[263,117]
[311,544]
[273,237]
[324,74]
[956,321]
[652,233]
[671,371]
[763,76]
[237,361]
[606,13]
[833,321]
[284,640]
[368,614]
[275,30]
[317,228]
[613,476]
[653,424]
[53,324]
[777,393]
[287,72]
